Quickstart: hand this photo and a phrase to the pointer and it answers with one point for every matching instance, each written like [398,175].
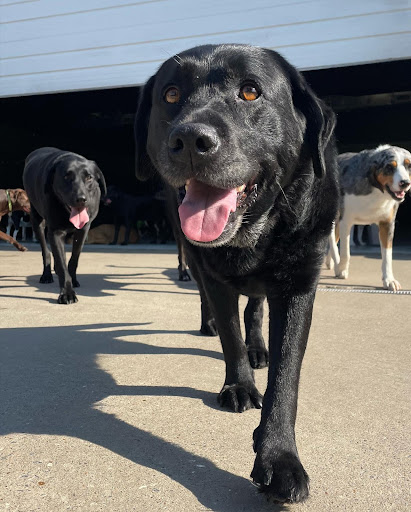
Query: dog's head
[113,194]
[19,200]
[77,183]
[390,171]
[234,125]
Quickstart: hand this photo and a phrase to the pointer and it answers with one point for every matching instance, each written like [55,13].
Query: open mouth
[398,195]
[78,216]
[205,211]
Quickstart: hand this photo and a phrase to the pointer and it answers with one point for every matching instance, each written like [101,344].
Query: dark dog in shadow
[128,209]
[64,190]
[154,211]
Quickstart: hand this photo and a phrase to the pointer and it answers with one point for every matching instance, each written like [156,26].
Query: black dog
[64,190]
[128,209]
[239,128]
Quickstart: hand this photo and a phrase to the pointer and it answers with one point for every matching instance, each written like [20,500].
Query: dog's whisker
[285,197]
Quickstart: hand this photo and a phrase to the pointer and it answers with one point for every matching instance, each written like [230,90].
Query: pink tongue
[79,218]
[205,210]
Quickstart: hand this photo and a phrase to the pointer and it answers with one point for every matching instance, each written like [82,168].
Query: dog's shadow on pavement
[101,285]
[51,383]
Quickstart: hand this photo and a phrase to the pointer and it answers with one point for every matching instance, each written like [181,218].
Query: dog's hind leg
[253,319]
[341,270]
[39,225]
[79,238]
[386,233]
[208,324]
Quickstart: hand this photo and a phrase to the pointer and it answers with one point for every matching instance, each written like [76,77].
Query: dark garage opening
[372,102]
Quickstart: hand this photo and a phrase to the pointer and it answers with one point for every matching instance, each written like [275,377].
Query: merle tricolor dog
[246,149]
[64,191]
[374,182]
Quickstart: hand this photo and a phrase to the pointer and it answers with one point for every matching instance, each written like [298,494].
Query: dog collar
[9,201]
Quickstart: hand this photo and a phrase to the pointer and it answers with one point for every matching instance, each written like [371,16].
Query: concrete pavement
[110,404]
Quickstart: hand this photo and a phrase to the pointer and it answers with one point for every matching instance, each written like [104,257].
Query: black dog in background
[153,209]
[128,209]
[246,150]
[64,191]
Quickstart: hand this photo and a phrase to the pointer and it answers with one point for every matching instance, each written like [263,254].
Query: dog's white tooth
[240,188]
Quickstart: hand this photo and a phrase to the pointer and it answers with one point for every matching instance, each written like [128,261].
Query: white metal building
[71,45]
[70,70]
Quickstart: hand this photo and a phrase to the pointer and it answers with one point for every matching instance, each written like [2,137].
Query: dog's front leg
[239,392]
[79,238]
[67,294]
[277,468]
[127,231]
[341,270]
[386,234]
[117,226]
[333,258]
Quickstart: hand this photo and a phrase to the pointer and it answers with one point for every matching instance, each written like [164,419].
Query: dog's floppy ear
[320,119]
[144,166]
[100,179]
[373,172]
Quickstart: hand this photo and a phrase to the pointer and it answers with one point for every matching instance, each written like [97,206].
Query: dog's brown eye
[89,177]
[249,93]
[172,95]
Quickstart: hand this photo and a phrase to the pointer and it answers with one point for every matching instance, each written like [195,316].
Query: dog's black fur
[280,144]
[128,209]
[57,181]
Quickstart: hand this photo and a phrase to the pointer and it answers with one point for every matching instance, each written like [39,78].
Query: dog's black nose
[81,201]
[404,183]
[193,140]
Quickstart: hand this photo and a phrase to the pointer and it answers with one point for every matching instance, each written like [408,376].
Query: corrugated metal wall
[67,45]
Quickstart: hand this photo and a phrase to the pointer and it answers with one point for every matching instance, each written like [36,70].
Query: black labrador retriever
[64,190]
[237,131]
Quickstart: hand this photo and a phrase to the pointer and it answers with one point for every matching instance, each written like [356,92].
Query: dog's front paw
[240,397]
[391,284]
[67,297]
[341,273]
[282,477]
[258,357]
[20,247]
[46,278]
[328,261]
[209,328]
[183,275]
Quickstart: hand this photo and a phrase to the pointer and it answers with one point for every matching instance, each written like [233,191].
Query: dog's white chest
[374,207]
